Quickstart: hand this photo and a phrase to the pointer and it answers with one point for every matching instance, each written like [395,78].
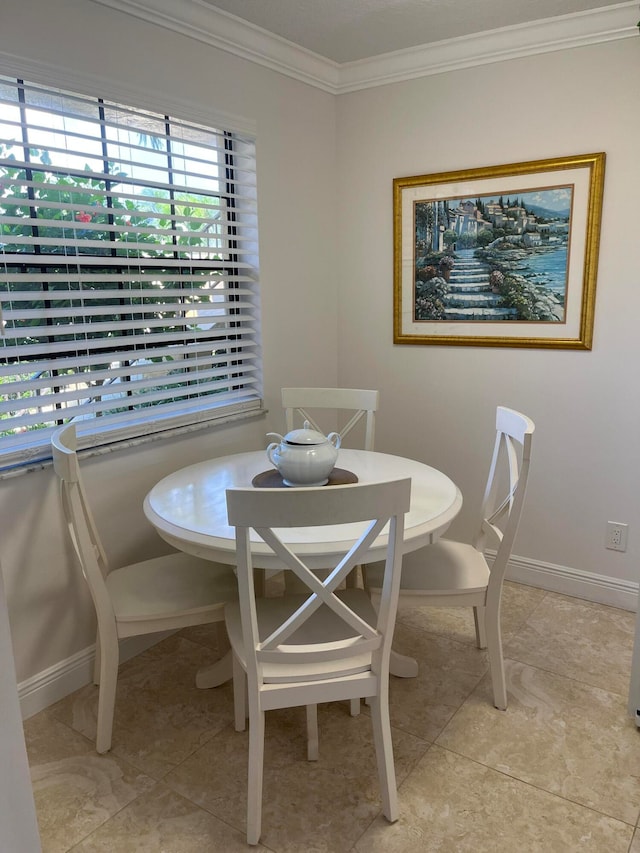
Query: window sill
[172,432]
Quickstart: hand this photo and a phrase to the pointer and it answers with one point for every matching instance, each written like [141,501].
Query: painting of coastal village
[493,258]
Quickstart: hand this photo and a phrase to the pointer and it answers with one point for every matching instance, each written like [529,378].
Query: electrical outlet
[616,536]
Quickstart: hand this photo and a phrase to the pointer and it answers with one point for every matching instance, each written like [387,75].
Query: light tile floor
[558,771]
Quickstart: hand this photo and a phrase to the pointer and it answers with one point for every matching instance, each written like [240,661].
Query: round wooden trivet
[272,479]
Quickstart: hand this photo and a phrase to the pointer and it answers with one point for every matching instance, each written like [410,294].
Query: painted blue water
[548,268]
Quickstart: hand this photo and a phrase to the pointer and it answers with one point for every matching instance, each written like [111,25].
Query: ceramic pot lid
[305,436]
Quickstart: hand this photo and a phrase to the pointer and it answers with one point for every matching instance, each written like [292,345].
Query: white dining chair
[357,404]
[456,574]
[326,644]
[159,594]
[300,405]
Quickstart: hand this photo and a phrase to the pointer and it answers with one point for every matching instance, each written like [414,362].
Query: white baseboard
[53,684]
[56,682]
[591,587]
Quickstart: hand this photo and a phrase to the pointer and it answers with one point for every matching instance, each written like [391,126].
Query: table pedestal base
[402,666]
[216,673]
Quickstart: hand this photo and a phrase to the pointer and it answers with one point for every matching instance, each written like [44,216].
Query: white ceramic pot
[304,457]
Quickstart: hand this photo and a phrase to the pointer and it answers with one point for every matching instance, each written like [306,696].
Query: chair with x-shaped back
[326,644]
[300,405]
[457,574]
[159,594]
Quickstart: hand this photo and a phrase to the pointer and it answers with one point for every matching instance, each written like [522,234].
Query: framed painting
[499,256]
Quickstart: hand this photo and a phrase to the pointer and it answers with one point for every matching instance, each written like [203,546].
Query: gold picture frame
[499,256]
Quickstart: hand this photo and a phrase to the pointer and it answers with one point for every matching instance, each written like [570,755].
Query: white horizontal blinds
[128,270]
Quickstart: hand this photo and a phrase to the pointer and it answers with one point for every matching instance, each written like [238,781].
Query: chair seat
[169,585]
[323,627]
[444,568]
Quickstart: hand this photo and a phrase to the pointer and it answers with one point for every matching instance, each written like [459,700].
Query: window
[128,271]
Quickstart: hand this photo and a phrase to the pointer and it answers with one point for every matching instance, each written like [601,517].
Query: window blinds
[128,271]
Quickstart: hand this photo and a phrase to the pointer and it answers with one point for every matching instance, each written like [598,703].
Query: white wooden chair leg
[239,696]
[355,707]
[496,663]
[312,733]
[96,662]
[384,755]
[256,766]
[480,618]
[109,660]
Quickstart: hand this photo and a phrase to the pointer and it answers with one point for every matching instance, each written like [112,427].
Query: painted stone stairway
[470,296]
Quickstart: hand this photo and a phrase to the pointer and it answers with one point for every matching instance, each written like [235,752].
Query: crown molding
[202,22]
[545,36]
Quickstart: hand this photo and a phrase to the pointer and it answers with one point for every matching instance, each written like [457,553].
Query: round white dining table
[188,509]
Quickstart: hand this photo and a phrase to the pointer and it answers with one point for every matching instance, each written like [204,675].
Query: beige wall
[438,402]
[325,170]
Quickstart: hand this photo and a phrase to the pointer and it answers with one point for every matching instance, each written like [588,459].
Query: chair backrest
[506,487]
[268,512]
[79,518]
[298,401]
